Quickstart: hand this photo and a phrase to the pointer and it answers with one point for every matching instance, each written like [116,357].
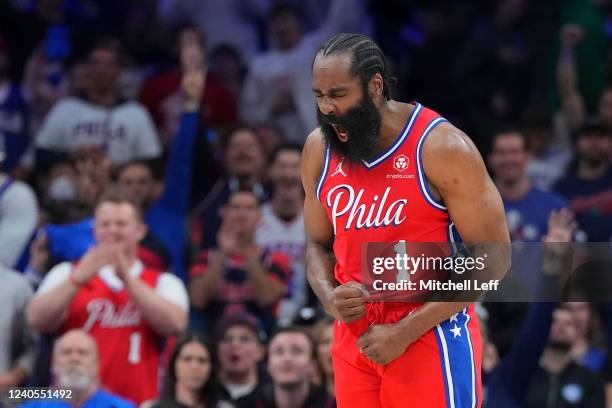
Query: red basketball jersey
[129,349]
[385,199]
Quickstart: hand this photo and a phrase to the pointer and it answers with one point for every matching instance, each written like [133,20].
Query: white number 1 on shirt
[134,353]
[402,272]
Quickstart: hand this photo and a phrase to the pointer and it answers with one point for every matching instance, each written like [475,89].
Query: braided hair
[367,59]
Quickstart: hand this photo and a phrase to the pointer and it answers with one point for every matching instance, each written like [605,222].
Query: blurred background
[198,110]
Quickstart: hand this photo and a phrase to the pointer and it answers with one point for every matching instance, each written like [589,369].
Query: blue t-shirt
[100,399]
[591,201]
[527,218]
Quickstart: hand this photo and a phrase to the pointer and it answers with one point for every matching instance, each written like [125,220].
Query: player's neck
[393,116]
[513,190]
[291,397]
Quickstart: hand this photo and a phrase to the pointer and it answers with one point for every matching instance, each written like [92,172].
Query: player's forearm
[46,311]
[165,317]
[427,317]
[267,291]
[320,272]
[202,287]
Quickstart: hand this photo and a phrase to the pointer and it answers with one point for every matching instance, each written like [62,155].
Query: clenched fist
[347,302]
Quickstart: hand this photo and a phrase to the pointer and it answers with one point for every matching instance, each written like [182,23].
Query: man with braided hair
[406,173]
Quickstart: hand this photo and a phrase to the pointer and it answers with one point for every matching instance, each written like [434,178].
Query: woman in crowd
[189,380]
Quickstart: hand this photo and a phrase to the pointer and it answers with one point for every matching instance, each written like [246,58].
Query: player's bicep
[318,227]
[454,166]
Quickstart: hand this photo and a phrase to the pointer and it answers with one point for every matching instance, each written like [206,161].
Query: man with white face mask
[75,368]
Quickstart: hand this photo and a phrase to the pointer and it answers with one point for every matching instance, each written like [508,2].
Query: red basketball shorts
[440,369]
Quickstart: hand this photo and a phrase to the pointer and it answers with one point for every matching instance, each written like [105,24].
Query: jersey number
[402,272]
[134,353]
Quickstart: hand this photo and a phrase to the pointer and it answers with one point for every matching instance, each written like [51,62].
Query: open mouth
[341,132]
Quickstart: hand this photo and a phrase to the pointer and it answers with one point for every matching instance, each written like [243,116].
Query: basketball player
[391,354]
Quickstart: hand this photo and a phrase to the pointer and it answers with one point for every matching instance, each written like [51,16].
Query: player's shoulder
[446,142]
[313,155]
[449,153]
[315,143]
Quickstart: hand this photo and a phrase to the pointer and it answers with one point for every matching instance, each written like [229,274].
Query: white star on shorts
[456,331]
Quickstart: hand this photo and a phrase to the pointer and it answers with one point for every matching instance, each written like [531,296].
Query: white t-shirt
[18,219]
[289,238]
[125,132]
[168,285]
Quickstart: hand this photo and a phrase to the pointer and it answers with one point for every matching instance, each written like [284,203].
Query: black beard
[362,125]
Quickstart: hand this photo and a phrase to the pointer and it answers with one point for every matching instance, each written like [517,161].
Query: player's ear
[376,85]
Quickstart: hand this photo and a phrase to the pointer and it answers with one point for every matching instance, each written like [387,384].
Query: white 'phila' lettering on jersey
[343,200]
[104,312]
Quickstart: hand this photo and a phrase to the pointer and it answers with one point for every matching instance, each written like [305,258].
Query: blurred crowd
[151,230]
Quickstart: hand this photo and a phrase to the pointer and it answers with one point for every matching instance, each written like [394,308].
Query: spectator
[238,276]
[164,96]
[17,340]
[559,381]
[291,362]
[506,377]
[240,349]
[228,67]
[190,378]
[123,130]
[75,369]
[14,115]
[584,349]
[165,205]
[215,17]
[496,56]
[324,334]
[278,87]
[126,307]
[244,169]
[549,161]
[282,226]
[527,207]
[588,187]
[18,219]
[70,195]
[583,24]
